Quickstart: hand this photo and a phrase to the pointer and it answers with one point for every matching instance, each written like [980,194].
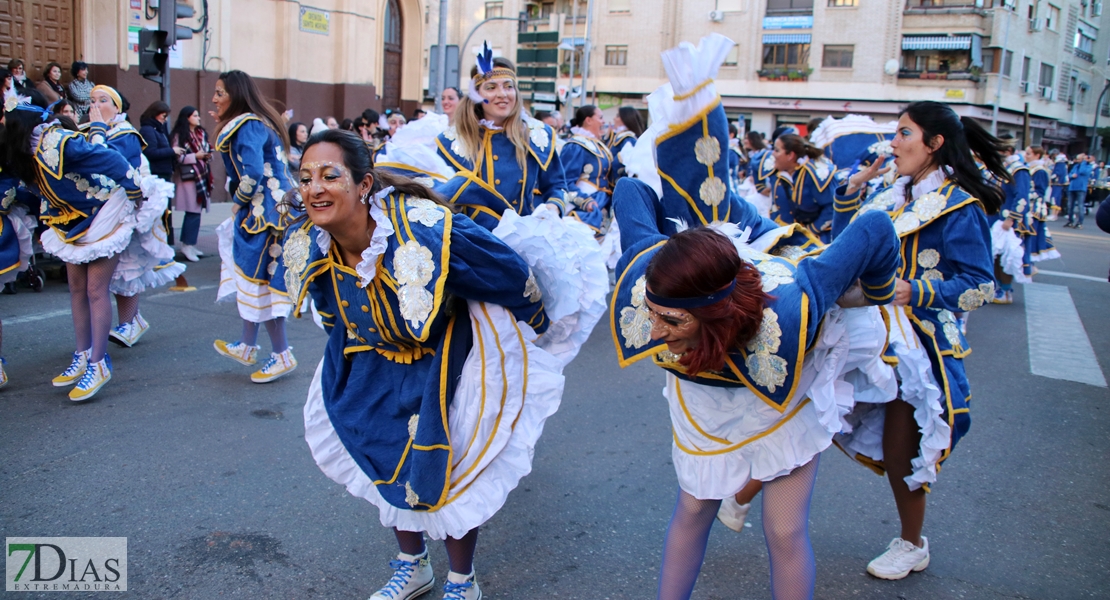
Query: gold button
[359,285]
[372,330]
[496,182]
[365,308]
[339,277]
[345,304]
[495,157]
[380,344]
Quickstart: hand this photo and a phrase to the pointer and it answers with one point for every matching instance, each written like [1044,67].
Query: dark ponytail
[632,120]
[582,114]
[964,139]
[800,146]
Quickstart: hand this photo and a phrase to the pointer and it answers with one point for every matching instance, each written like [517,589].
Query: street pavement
[209,478]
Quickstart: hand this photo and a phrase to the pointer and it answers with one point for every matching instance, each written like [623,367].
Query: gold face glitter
[319,176]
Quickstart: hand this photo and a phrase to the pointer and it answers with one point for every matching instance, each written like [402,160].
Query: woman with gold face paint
[430,397]
[252,139]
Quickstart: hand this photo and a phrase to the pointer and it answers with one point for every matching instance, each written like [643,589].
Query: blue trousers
[190,229]
[1076,206]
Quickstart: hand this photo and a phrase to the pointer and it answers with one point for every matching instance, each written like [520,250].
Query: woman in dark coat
[158,149]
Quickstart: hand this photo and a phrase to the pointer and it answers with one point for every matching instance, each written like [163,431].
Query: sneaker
[733,514]
[461,587]
[94,378]
[961,322]
[237,351]
[3,375]
[128,334]
[412,577]
[900,558]
[190,253]
[75,370]
[280,364]
[1003,297]
[1009,297]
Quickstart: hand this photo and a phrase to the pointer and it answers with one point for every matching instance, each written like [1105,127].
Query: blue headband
[43,112]
[695,302]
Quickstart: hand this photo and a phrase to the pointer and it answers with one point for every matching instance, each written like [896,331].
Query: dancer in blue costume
[939,206]
[802,189]
[431,396]
[148,260]
[89,198]
[252,141]
[1040,245]
[1014,221]
[588,165]
[1060,181]
[627,127]
[494,145]
[747,328]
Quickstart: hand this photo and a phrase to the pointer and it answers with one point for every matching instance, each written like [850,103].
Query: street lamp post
[466,42]
[1001,66]
[441,60]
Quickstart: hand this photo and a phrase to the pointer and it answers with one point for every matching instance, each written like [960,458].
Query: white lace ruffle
[570,271]
[148,250]
[844,364]
[864,434]
[1007,246]
[107,235]
[256,303]
[367,268]
[511,427]
[24,227]
[689,67]
[832,128]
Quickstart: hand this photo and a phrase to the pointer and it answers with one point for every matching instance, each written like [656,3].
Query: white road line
[1058,344]
[65,313]
[1071,275]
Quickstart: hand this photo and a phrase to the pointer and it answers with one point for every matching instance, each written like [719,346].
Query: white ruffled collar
[489,125]
[583,132]
[367,268]
[929,183]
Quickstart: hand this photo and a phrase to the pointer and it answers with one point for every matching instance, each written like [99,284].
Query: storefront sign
[315,21]
[954,94]
[802,22]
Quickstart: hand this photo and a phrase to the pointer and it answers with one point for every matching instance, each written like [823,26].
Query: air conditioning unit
[1046,93]
[1097,9]
[1026,87]
[717,16]
[1036,24]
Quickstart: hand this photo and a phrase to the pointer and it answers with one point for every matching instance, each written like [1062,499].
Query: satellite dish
[891,67]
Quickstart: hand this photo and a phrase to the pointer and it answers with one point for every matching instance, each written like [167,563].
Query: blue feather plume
[485,59]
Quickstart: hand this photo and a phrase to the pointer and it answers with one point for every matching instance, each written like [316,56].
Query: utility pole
[573,52]
[589,44]
[1098,110]
[1001,66]
[441,60]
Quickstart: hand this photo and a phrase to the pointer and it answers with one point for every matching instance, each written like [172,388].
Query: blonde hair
[469,130]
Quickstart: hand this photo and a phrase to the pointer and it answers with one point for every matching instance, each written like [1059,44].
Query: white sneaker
[733,514]
[412,577]
[92,380]
[279,365]
[128,334]
[461,587]
[75,370]
[237,351]
[190,253]
[900,558]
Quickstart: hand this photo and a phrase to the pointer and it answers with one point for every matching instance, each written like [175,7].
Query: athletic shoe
[237,351]
[3,375]
[280,364]
[94,378]
[128,334]
[461,587]
[961,322]
[733,514]
[75,370]
[1009,297]
[900,558]
[190,253]
[412,577]
[1003,297]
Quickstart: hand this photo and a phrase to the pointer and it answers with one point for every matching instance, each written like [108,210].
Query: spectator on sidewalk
[193,179]
[1080,177]
[51,85]
[79,89]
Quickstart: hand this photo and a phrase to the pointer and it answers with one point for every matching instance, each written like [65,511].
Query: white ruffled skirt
[256,302]
[1008,248]
[107,235]
[148,260]
[570,270]
[863,438]
[493,422]
[725,437]
[23,225]
[759,201]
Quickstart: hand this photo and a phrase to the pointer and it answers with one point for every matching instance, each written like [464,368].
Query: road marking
[1058,344]
[1071,275]
[63,313]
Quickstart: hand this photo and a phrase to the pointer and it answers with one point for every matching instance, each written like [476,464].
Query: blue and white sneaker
[412,577]
[237,351]
[128,334]
[75,370]
[279,364]
[94,378]
[461,587]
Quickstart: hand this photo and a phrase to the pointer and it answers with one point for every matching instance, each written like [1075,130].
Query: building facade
[1042,62]
[335,58]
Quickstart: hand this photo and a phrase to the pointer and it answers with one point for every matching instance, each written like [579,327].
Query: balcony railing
[948,75]
[947,6]
[1087,56]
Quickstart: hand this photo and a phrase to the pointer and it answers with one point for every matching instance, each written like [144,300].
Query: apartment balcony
[970,75]
[934,7]
[1087,56]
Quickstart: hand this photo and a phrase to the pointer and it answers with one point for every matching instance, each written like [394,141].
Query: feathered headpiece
[487,71]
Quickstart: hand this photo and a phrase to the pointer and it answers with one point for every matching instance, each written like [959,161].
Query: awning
[787,38]
[571,43]
[936,42]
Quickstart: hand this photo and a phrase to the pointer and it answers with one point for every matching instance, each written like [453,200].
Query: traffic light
[169,11]
[153,54]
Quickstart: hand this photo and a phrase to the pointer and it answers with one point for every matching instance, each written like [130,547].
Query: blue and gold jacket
[75,177]
[513,187]
[259,172]
[1039,177]
[588,160]
[805,197]
[849,149]
[616,144]
[948,262]
[763,171]
[12,194]
[397,343]
[1017,204]
[120,136]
